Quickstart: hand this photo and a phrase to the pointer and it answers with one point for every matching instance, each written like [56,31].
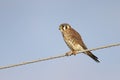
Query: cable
[54,57]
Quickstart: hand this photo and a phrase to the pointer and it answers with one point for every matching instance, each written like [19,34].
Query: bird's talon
[69,53]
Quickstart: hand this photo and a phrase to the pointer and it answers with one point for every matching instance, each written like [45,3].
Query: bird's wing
[78,38]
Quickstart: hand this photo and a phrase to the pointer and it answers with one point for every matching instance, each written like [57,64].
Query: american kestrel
[74,40]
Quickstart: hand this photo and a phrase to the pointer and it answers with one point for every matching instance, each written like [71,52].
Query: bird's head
[64,27]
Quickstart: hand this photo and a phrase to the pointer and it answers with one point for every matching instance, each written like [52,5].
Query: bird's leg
[75,52]
[69,53]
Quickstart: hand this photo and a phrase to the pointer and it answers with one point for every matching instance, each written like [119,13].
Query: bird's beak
[59,28]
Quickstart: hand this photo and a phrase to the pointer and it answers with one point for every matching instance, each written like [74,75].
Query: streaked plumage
[74,40]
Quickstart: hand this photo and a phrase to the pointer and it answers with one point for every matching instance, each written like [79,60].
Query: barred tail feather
[92,56]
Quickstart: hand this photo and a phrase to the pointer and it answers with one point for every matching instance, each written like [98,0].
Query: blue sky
[29,30]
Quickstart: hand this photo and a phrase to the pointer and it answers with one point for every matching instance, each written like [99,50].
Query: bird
[74,41]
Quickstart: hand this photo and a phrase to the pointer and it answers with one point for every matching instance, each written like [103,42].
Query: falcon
[74,41]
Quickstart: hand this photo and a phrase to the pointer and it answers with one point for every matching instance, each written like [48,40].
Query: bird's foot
[69,53]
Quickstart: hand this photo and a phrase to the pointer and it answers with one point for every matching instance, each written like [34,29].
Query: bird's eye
[64,27]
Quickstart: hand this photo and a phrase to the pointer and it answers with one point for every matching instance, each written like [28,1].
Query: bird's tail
[92,56]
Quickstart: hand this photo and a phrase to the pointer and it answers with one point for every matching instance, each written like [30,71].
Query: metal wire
[55,57]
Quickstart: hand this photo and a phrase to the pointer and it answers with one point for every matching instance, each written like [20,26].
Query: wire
[54,57]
